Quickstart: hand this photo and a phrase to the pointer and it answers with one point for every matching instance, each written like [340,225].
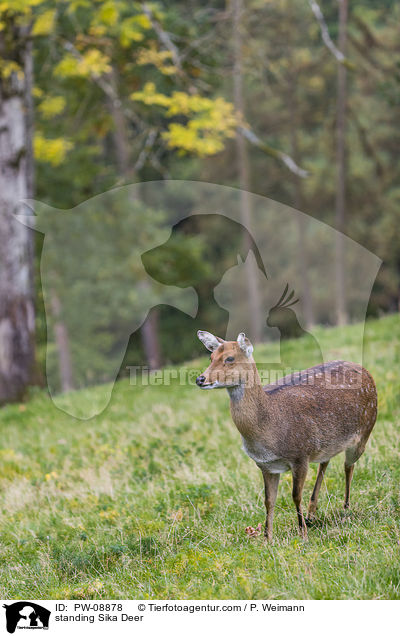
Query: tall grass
[151,499]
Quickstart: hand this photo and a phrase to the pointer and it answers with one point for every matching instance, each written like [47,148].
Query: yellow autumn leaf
[8,67]
[67,67]
[19,6]
[52,106]
[160,59]
[209,123]
[190,138]
[131,29]
[97,30]
[44,23]
[108,13]
[92,62]
[150,96]
[142,20]
[51,151]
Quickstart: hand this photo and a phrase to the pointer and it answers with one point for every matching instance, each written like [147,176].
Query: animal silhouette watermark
[26,615]
[168,251]
[284,318]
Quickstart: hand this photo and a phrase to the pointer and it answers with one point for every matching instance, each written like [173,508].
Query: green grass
[151,499]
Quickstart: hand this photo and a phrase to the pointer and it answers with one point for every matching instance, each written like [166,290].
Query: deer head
[231,361]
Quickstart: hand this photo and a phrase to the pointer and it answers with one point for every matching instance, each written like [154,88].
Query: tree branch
[164,37]
[273,152]
[338,55]
[144,153]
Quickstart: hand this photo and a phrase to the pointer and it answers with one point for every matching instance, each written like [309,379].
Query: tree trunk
[303,253]
[149,330]
[121,143]
[341,312]
[256,324]
[149,334]
[17,317]
[306,299]
[62,343]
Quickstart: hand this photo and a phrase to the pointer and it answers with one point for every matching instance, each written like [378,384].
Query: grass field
[151,499]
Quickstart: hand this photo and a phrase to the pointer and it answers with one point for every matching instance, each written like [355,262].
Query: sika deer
[309,416]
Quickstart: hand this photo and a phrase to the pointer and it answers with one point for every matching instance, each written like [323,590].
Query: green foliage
[152,498]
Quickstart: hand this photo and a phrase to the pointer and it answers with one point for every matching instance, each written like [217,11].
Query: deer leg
[349,476]
[271,482]
[312,506]
[299,472]
[351,456]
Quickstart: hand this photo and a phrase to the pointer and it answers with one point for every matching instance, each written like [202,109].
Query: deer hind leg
[351,456]
[271,482]
[312,506]
[349,476]
[299,472]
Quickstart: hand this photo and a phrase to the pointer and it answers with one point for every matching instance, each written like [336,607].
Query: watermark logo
[131,275]
[26,615]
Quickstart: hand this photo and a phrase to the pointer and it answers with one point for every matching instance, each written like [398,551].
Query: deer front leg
[271,482]
[299,472]
[312,507]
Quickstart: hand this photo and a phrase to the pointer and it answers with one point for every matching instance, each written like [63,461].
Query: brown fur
[306,417]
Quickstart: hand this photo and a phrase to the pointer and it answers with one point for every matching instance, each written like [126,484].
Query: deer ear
[245,344]
[209,341]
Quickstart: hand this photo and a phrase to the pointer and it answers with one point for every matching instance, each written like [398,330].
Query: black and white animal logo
[26,615]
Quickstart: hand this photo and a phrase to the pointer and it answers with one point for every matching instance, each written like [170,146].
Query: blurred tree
[16,172]
[253,294]
[341,157]
[294,46]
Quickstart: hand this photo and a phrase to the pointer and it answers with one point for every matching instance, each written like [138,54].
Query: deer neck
[245,402]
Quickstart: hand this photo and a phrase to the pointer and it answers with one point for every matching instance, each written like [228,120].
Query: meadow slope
[151,499]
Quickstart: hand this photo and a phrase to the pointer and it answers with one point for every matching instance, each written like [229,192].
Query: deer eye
[230,359]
